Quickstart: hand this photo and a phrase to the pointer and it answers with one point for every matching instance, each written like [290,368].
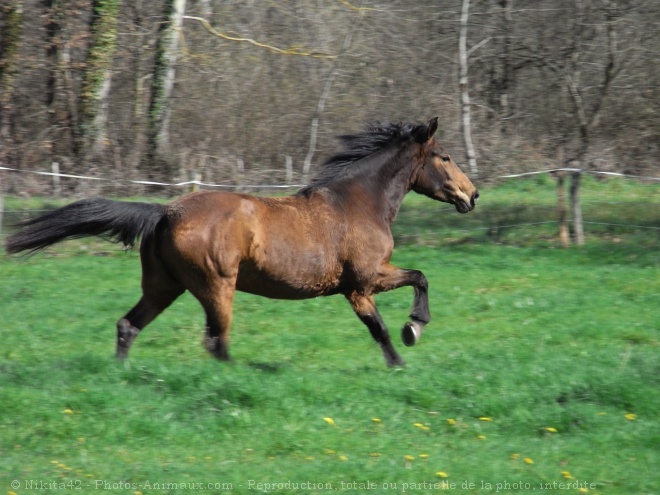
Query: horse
[333,236]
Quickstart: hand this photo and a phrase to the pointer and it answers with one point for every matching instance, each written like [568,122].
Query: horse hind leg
[144,312]
[159,290]
[217,301]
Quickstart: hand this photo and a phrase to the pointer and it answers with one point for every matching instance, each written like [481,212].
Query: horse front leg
[420,314]
[365,308]
[392,277]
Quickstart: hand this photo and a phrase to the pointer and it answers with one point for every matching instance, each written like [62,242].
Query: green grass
[527,336]
[524,212]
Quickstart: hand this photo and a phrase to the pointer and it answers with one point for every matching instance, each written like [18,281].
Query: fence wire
[413,226]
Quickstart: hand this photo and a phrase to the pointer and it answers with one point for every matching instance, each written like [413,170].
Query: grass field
[539,373]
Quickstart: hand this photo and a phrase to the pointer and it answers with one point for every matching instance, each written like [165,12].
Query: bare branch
[274,49]
[345,3]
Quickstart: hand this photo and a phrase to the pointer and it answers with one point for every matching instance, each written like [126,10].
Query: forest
[255,92]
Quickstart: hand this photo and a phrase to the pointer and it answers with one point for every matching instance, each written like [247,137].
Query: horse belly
[304,277]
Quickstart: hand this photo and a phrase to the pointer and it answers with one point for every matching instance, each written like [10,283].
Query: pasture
[539,371]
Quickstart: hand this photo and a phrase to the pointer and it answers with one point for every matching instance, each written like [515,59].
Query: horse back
[289,248]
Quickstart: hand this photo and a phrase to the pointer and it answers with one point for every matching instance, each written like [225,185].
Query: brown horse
[331,237]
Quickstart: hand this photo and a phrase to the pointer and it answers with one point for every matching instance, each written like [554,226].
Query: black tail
[116,220]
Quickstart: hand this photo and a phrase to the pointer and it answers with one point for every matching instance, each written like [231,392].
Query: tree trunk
[586,120]
[2,198]
[162,81]
[320,106]
[10,39]
[507,83]
[578,229]
[470,154]
[61,97]
[314,129]
[141,84]
[98,76]
[53,28]
[564,238]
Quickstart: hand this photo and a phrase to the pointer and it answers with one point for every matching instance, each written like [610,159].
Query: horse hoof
[410,334]
[126,334]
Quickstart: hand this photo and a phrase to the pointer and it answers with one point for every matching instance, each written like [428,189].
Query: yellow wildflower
[528,460]
[330,421]
[485,418]
[343,458]
[409,457]
[423,456]
[631,417]
[550,429]
[567,475]
[330,451]
[451,422]
[376,420]
[514,457]
[68,411]
[481,437]
[441,474]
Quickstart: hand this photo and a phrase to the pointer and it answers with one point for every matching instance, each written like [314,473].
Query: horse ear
[422,133]
[433,126]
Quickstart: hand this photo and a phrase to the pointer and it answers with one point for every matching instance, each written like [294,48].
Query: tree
[466,124]
[542,74]
[97,78]
[585,65]
[11,31]
[162,81]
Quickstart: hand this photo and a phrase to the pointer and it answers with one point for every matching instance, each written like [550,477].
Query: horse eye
[443,156]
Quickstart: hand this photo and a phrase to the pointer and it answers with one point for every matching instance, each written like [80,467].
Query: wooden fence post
[288,167]
[2,198]
[195,178]
[57,183]
[561,209]
[240,175]
[578,229]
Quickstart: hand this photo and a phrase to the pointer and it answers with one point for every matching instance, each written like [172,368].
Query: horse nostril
[475,198]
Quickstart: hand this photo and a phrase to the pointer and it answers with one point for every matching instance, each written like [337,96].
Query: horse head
[437,176]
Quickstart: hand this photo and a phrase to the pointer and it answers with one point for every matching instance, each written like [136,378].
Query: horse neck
[384,185]
[394,191]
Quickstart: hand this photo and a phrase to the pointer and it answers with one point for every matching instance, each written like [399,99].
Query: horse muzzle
[465,203]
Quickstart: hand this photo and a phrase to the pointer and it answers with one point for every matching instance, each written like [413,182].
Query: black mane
[374,138]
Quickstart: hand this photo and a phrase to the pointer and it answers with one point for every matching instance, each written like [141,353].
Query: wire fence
[492,221]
